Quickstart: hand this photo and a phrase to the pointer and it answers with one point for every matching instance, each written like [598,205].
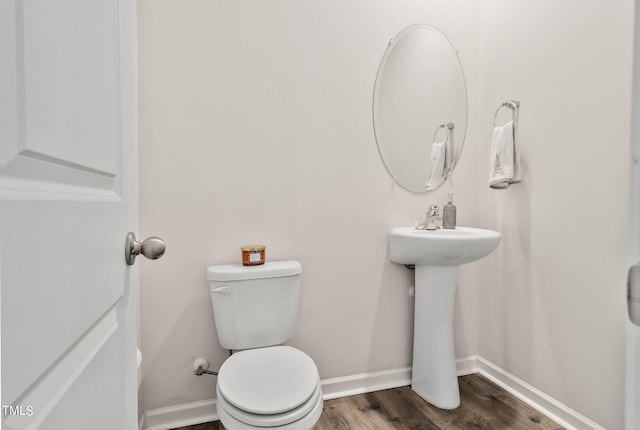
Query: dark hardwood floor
[483,406]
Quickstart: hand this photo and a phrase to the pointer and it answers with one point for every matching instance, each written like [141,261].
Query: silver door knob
[152,247]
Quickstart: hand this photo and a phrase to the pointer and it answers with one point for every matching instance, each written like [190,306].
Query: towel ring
[514,105]
[447,126]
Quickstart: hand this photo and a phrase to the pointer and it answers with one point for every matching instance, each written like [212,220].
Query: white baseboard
[365,383]
[205,410]
[467,365]
[547,405]
[186,414]
[375,381]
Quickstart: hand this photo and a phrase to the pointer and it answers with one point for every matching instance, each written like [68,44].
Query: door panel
[67,58]
[62,274]
[90,364]
[63,66]
[67,199]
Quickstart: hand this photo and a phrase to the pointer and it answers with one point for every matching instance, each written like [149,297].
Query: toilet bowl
[263,384]
[274,387]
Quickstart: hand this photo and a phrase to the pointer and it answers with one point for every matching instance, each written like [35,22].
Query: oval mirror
[420,108]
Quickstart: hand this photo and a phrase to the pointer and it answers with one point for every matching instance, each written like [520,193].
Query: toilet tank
[254,306]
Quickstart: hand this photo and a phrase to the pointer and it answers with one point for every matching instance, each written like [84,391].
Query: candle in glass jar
[252,255]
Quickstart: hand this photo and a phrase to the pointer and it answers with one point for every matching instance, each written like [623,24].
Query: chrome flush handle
[152,247]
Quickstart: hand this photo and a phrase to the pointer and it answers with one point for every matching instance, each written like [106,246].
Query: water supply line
[201,367]
[201,371]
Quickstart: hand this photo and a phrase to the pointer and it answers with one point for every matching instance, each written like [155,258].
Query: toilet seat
[268,380]
[272,420]
[269,387]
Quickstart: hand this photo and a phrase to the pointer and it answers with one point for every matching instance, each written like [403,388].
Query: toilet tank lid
[238,272]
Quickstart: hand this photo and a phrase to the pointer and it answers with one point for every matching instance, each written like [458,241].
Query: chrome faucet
[433,221]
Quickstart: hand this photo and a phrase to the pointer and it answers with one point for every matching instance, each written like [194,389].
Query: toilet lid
[268,380]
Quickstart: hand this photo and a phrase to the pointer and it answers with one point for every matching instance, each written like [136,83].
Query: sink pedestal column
[434,375]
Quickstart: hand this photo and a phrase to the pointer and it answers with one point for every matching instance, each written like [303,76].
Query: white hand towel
[438,163]
[504,166]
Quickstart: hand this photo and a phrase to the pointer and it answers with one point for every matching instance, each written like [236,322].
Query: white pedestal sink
[436,255]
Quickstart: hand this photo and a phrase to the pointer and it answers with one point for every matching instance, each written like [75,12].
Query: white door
[68,198]
[632,407]
[633,330]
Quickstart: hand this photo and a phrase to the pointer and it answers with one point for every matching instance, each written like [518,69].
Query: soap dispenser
[449,213]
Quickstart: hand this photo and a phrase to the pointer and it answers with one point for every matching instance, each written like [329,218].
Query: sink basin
[436,255]
[441,247]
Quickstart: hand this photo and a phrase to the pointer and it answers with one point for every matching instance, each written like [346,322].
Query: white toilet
[264,384]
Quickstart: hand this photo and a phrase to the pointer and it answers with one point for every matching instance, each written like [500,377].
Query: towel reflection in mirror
[441,157]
